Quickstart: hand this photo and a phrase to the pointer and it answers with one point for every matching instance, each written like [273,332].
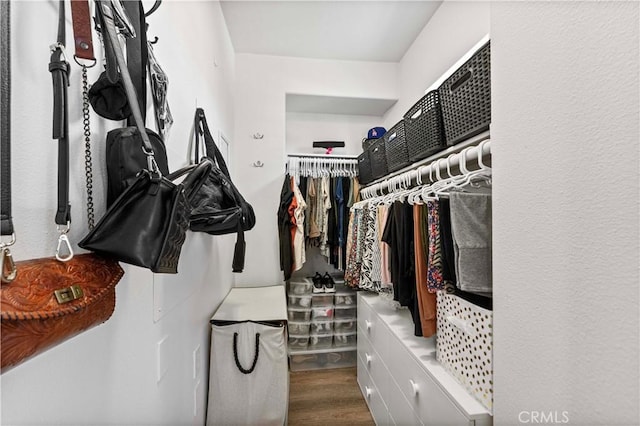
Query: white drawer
[378,372]
[428,400]
[372,327]
[371,395]
[400,410]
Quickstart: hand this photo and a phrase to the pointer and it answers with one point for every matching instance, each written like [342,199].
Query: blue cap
[376,132]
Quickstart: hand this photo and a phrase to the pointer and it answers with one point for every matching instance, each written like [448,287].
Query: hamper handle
[255,357]
[463,78]
[460,324]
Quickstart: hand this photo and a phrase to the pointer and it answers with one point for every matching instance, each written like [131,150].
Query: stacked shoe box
[322,323]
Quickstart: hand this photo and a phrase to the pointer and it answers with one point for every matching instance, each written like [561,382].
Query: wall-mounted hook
[258,164]
[258,136]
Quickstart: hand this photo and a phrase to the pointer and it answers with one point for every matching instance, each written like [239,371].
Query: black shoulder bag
[218,207]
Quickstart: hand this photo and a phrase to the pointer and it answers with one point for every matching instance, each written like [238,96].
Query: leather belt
[59,68]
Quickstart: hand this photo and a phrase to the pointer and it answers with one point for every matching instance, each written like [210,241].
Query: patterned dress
[435,280]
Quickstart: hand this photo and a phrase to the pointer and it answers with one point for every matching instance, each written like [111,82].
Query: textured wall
[565,88]
[109,374]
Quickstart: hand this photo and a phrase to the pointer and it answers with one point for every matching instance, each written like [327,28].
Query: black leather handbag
[219,208]
[147,223]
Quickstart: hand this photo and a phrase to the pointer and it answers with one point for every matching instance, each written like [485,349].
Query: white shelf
[340,105]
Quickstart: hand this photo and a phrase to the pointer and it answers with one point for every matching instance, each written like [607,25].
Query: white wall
[109,374]
[304,128]
[454,29]
[261,85]
[565,96]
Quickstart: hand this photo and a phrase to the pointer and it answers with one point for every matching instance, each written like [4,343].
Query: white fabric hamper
[465,345]
[259,397]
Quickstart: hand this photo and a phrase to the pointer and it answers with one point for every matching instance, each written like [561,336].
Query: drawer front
[400,410]
[372,327]
[428,400]
[376,368]
[377,407]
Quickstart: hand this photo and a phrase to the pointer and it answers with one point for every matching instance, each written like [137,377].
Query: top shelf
[340,105]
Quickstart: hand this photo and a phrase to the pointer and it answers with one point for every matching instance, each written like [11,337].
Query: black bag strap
[6,220]
[202,129]
[255,356]
[104,8]
[137,55]
[59,68]
[8,271]
[197,173]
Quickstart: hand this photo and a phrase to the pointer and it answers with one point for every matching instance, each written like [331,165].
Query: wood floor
[326,397]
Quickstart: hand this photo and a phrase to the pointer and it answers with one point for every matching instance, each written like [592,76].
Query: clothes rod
[323,156]
[429,173]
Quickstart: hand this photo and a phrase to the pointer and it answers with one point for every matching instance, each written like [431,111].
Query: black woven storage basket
[364,168]
[395,142]
[424,128]
[466,98]
[378,159]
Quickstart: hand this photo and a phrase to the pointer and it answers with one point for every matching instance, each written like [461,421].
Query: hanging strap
[8,271]
[104,9]
[212,151]
[137,55]
[5,120]
[82,29]
[59,68]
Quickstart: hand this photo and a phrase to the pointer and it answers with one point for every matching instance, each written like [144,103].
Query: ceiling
[343,30]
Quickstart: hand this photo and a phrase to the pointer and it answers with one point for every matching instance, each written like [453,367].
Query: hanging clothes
[284,228]
[324,218]
[471,226]
[426,299]
[299,250]
[435,281]
[399,234]
[385,273]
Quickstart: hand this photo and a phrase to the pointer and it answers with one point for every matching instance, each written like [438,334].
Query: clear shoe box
[320,299]
[346,299]
[345,325]
[299,301]
[320,341]
[321,327]
[323,359]
[299,328]
[322,313]
[300,288]
[299,314]
[344,339]
[298,342]
[345,312]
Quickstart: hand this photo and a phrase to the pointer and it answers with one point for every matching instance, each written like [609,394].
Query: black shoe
[329,284]
[318,281]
